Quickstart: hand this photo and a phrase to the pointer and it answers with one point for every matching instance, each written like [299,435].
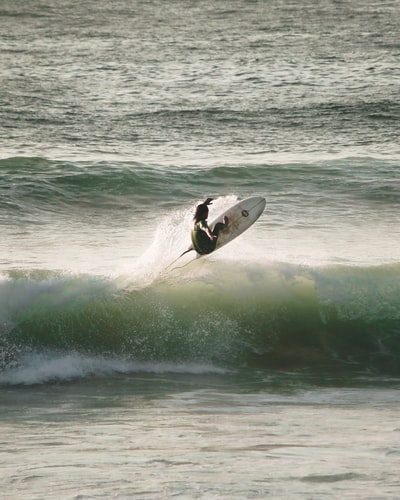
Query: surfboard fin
[181,255]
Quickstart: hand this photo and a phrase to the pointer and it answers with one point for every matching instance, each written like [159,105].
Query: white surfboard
[241,216]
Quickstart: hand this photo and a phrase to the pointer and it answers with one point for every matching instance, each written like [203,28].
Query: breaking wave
[209,314]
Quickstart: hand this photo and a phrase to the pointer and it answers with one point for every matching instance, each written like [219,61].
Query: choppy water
[270,368]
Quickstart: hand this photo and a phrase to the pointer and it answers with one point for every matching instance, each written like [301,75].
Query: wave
[214,314]
[38,184]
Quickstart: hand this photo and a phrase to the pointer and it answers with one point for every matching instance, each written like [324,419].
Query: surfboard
[241,216]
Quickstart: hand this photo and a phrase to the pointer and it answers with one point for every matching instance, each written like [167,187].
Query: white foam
[39,368]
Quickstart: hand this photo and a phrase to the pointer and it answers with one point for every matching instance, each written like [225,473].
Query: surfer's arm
[204,227]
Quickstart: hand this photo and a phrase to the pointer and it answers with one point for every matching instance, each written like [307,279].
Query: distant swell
[269,317]
[62,186]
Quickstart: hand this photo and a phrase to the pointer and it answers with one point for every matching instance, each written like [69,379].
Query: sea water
[268,369]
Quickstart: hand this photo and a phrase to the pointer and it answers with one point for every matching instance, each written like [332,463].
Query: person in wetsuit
[204,239]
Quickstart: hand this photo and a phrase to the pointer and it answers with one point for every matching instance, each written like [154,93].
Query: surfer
[203,238]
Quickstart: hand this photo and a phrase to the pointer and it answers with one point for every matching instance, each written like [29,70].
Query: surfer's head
[201,212]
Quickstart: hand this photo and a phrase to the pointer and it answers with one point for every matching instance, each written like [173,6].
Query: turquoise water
[269,368]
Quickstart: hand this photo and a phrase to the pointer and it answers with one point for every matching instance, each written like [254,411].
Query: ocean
[268,369]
